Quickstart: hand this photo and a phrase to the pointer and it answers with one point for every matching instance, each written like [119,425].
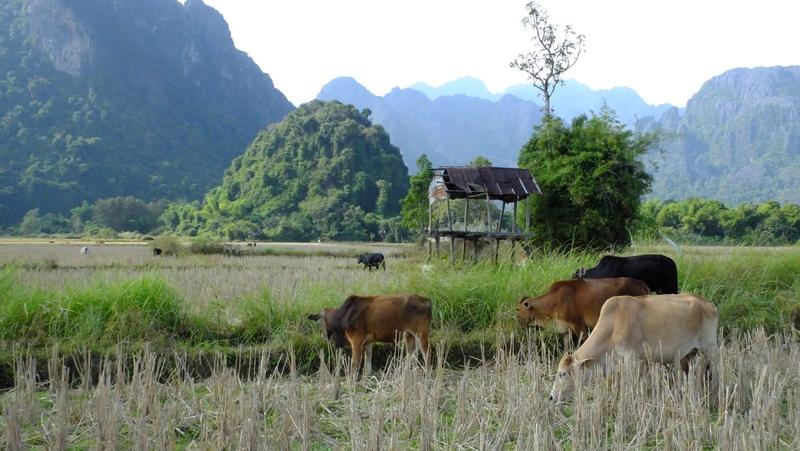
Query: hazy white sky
[664,50]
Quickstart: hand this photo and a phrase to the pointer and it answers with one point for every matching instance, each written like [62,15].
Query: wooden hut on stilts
[479,184]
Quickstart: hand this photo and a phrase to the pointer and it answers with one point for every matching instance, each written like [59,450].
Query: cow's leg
[357,345]
[424,346]
[411,348]
[367,359]
[711,356]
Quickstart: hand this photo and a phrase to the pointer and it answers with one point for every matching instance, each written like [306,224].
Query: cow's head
[329,328]
[569,370]
[579,274]
[529,313]
[362,258]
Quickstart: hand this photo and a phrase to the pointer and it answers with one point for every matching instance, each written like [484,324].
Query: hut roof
[506,184]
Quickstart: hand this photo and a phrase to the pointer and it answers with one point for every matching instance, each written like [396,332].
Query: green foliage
[480,162]
[94,102]
[125,214]
[709,221]
[415,204]
[206,245]
[591,178]
[169,245]
[325,172]
[35,224]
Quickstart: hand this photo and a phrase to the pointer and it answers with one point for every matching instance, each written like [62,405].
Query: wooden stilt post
[514,231]
[497,238]
[527,214]
[466,209]
[430,227]
[450,228]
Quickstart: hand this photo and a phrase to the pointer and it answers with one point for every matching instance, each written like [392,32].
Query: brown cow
[364,320]
[574,305]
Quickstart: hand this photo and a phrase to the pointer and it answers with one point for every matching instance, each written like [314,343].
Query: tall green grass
[145,308]
[752,289]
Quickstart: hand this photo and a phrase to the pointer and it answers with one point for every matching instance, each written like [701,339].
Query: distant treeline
[693,221]
[704,221]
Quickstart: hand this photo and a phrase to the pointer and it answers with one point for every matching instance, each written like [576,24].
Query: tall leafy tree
[415,205]
[552,53]
[591,178]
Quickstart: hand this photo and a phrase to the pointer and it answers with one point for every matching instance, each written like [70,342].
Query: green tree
[480,162]
[591,178]
[415,205]
[125,214]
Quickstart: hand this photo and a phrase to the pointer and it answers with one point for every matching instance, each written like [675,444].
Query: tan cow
[364,320]
[668,327]
[574,305]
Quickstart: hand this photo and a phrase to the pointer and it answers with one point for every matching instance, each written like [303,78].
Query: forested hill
[325,171]
[451,130]
[99,98]
[738,140]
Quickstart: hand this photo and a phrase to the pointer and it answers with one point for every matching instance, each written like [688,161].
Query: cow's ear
[314,317]
[568,358]
[585,361]
[524,301]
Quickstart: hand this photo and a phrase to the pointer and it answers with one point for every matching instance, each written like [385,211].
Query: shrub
[206,245]
[169,245]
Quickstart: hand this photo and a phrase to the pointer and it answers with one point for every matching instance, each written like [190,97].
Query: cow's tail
[383,262]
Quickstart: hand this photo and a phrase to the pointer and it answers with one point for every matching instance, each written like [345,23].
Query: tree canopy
[591,178]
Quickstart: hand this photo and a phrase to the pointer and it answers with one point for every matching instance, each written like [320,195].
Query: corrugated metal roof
[505,184]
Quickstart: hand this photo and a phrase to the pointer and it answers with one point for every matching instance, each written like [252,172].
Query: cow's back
[386,316]
[579,301]
[659,272]
[668,323]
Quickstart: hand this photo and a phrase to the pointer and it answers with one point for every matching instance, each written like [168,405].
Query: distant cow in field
[657,271]
[574,305]
[364,320]
[157,251]
[669,328]
[370,260]
[85,250]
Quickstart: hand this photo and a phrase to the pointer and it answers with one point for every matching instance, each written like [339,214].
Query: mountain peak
[347,90]
[468,86]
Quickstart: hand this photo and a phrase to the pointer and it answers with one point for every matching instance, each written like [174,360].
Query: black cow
[157,251]
[370,260]
[657,271]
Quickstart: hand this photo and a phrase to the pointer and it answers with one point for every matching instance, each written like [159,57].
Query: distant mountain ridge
[101,98]
[737,141]
[451,130]
[569,100]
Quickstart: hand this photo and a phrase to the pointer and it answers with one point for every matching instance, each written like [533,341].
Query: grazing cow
[364,320]
[669,327]
[157,251]
[574,305]
[657,271]
[85,250]
[370,260]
